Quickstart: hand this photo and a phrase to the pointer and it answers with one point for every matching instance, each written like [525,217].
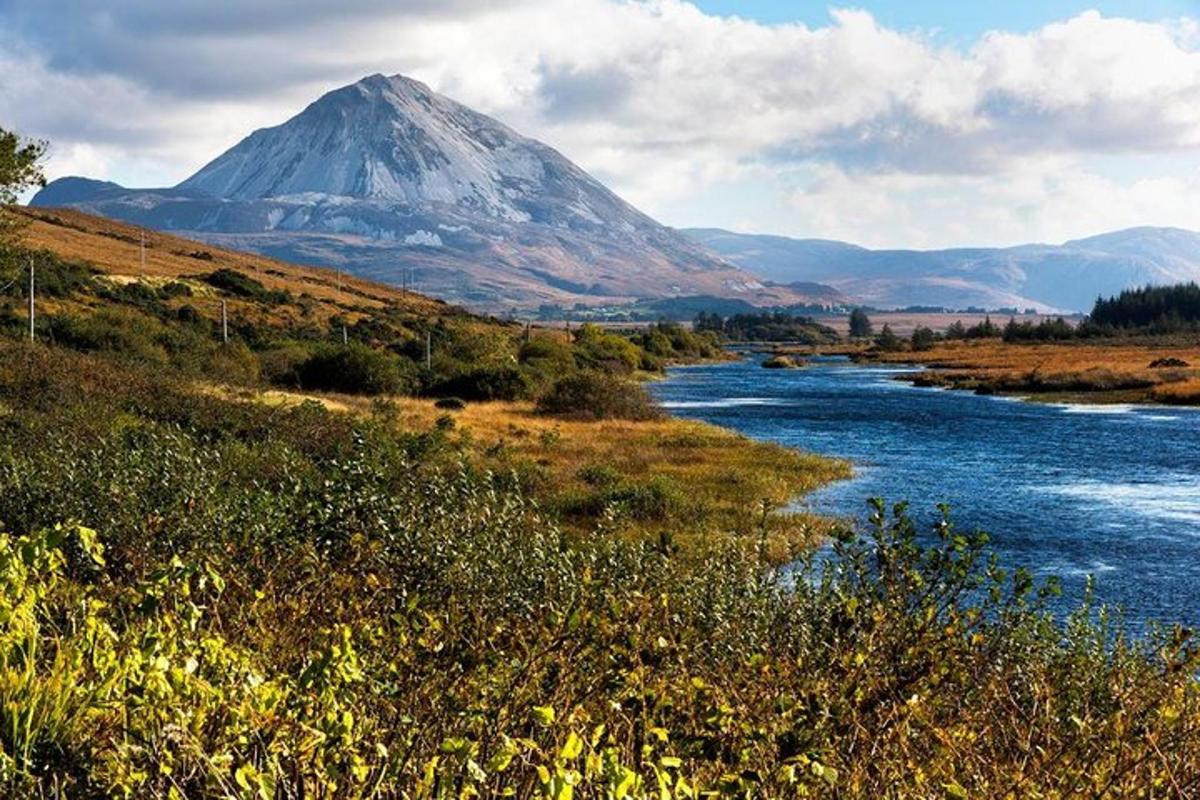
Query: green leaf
[244,777]
[500,761]
[955,790]
[90,542]
[572,748]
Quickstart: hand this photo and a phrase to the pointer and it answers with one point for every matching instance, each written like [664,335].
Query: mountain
[1065,277]
[393,181]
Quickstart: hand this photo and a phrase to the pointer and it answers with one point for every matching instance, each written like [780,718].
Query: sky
[920,124]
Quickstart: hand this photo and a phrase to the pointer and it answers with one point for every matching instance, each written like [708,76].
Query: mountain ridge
[385,177]
[1048,277]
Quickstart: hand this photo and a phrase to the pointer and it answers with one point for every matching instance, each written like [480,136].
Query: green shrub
[505,382]
[888,341]
[665,341]
[923,339]
[353,369]
[175,289]
[653,500]
[241,285]
[281,365]
[597,349]
[546,358]
[54,277]
[234,363]
[112,330]
[599,475]
[134,293]
[596,395]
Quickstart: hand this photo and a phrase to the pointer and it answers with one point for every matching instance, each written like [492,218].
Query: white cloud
[1050,201]
[657,98]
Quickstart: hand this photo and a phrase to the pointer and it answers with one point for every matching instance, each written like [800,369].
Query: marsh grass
[1101,372]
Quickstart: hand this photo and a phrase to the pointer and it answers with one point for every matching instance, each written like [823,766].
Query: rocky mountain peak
[386,174]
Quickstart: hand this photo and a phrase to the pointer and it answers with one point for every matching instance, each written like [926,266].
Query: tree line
[775,326]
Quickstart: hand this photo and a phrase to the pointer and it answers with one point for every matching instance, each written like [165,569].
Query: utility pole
[345,337]
[428,350]
[31,306]
[224,322]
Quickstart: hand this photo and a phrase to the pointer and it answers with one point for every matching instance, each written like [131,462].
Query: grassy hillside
[217,584]
[643,474]
[114,249]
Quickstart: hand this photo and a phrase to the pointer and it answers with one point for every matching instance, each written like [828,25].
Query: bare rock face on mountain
[396,182]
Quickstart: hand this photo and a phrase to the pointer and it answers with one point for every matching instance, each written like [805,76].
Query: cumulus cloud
[1049,201]
[656,97]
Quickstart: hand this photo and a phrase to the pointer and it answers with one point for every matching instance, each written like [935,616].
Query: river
[1070,490]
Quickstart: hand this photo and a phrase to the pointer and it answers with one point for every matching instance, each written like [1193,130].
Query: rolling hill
[115,250]
[1065,277]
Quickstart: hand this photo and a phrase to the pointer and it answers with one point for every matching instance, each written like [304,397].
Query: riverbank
[1065,489]
[667,479]
[1151,371]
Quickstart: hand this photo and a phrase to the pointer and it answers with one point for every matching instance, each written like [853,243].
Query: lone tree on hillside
[20,169]
[860,324]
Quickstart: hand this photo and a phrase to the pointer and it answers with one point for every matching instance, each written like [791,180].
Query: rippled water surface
[1071,490]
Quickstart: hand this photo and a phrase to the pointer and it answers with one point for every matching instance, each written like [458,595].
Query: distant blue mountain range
[1066,277]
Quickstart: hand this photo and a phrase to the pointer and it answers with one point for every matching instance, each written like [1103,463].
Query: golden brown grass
[1109,371]
[114,248]
[718,482]
[1185,392]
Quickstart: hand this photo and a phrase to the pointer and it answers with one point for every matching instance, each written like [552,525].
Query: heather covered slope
[391,180]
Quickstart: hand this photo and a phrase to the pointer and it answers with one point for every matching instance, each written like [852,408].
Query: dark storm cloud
[211,49]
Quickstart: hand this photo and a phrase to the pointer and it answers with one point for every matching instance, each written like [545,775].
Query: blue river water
[1066,490]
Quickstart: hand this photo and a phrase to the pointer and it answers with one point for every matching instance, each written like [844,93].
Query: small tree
[888,340]
[20,169]
[923,338]
[860,324]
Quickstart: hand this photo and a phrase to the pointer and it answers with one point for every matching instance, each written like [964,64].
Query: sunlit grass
[1097,371]
[702,480]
